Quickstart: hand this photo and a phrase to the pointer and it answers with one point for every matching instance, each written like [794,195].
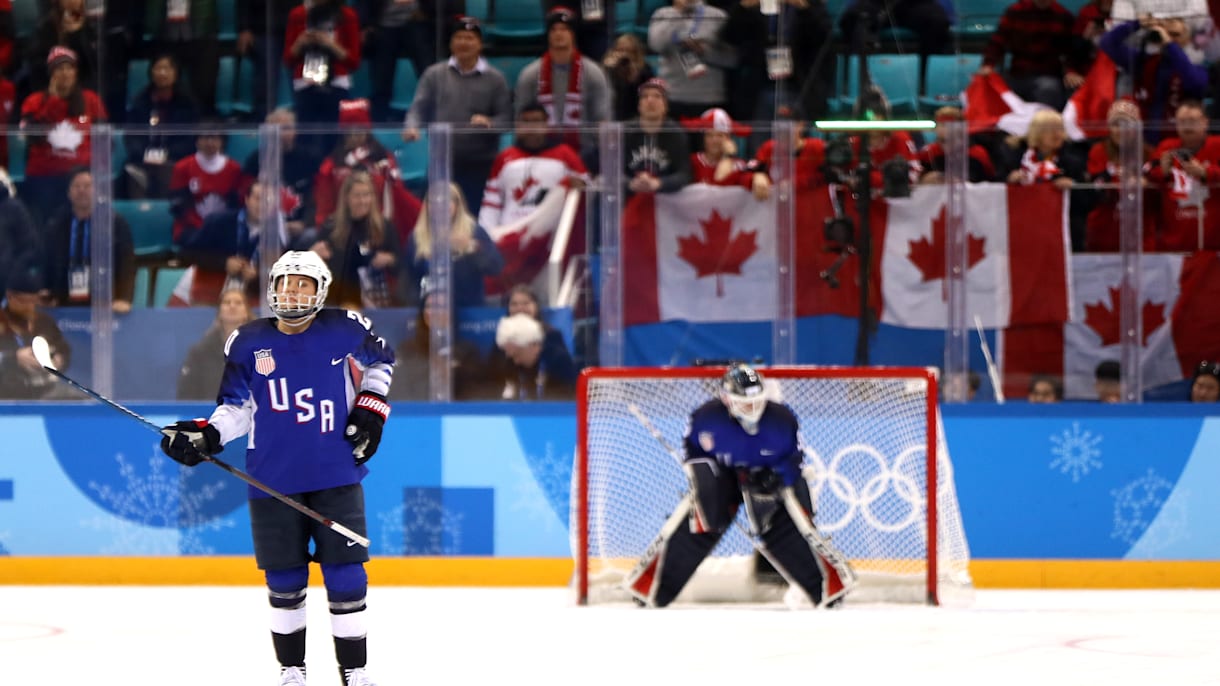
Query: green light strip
[879,125]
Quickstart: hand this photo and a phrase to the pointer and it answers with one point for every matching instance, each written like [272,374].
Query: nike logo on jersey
[351,543]
[335,362]
[764,451]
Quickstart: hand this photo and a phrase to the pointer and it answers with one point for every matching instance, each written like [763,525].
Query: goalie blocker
[782,529]
[742,448]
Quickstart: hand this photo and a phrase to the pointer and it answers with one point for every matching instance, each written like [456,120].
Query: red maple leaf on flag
[722,253]
[929,255]
[1105,320]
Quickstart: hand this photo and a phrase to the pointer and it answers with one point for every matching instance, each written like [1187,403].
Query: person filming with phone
[1186,171]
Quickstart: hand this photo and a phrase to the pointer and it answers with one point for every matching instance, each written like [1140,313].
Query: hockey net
[873,450]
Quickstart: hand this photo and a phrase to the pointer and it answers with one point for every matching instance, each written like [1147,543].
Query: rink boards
[1075,495]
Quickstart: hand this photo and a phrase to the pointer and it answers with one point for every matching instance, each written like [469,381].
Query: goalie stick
[822,547]
[42,353]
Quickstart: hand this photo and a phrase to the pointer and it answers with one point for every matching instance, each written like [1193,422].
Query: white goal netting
[866,442]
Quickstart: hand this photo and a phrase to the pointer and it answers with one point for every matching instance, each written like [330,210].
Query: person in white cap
[717,163]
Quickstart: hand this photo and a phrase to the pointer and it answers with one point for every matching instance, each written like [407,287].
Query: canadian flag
[989,104]
[703,254]
[1180,325]
[1017,256]
[526,243]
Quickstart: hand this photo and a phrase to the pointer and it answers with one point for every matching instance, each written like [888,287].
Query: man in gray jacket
[694,58]
[472,95]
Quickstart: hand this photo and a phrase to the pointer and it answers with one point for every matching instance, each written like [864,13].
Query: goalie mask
[286,303]
[743,393]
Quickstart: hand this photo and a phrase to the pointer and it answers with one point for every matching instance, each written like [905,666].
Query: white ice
[214,636]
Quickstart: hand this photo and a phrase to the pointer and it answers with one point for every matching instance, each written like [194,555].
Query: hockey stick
[42,353]
[993,372]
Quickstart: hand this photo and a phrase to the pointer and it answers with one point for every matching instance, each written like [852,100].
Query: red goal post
[874,457]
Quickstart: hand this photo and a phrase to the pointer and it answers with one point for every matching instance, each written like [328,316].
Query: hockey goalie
[742,449]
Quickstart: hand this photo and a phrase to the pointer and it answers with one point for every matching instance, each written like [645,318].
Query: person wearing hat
[595,20]
[717,163]
[469,93]
[1205,386]
[571,87]
[21,320]
[656,154]
[358,150]
[56,122]
[1104,167]
[694,57]
[66,24]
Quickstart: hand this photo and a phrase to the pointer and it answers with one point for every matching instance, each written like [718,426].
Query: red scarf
[569,119]
[1035,167]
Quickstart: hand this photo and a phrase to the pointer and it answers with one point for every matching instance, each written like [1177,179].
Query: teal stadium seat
[139,297]
[647,7]
[25,18]
[163,284]
[511,66]
[896,75]
[626,16]
[16,158]
[362,83]
[137,78]
[515,21]
[226,84]
[947,77]
[240,143]
[405,83]
[227,14]
[243,97]
[413,162]
[152,227]
[978,19]
[478,10]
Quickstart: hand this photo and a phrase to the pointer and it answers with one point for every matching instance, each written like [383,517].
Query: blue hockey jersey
[714,434]
[292,394]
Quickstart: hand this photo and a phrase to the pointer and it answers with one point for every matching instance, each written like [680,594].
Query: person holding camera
[626,71]
[1162,75]
[695,59]
[322,50]
[1183,169]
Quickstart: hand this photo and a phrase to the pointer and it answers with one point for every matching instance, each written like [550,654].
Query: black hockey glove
[364,424]
[762,481]
[190,441]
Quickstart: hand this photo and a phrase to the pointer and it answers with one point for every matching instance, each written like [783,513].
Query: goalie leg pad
[715,496]
[671,559]
[837,578]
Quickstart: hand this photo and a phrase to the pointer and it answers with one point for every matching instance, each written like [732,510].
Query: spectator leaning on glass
[656,154]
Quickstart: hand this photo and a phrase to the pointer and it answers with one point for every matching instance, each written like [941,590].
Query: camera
[895,178]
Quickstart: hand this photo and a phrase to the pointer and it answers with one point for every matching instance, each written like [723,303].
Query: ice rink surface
[218,636]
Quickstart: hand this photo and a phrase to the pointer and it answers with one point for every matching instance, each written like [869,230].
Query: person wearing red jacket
[56,122]
[202,184]
[322,50]
[717,163]
[1185,169]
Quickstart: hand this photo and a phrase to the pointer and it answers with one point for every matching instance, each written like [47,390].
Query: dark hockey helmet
[743,392]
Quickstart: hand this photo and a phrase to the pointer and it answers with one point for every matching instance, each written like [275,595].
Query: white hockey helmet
[743,392]
[292,307]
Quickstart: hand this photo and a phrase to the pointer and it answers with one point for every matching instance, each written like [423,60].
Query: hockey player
[742,448]
[291,377]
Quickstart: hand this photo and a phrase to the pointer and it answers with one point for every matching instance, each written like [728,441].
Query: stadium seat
[405,82]
[413,162]
[947,77]
[226,11]
[243,98]
[647,7]
[226,84]
[626,16]
[240,143]
[977,19]
[16,158]
[283,96]
[362,83]
[477,9]
[896,75]
[137,78]
[511,66]
[139,297]
[25,17]
[163,284]
[515,20]
[152,227]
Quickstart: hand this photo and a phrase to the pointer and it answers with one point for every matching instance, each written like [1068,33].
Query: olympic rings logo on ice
[859,498]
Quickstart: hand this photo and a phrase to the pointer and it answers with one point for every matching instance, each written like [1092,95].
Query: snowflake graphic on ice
[1076,452]
[1137,504]
[425,520]
[553,474]
[156,501]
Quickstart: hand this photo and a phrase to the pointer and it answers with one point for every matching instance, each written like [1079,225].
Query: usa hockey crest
[706,440]
[264,363]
